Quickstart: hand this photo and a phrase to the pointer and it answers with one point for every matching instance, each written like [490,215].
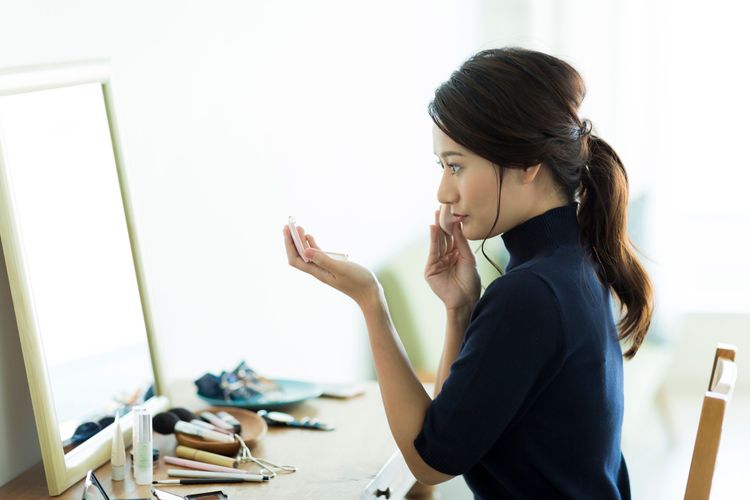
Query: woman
[528,399]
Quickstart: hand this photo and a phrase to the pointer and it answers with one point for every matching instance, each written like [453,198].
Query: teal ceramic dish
[292,392]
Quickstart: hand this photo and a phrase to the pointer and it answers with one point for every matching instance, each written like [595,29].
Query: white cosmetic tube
[143,461]
[118,452]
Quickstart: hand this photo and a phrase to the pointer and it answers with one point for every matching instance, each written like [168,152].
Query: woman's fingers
[435,237]
[461,243]
[319,272]
[325,262]
[442,244]
[441,265]
[354,280]
[302,237]
[330,271]
[311,242]
[445,224]
[295,260]
[291,251]
[433,254]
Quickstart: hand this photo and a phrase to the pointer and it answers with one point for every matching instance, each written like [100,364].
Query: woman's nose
[447,193]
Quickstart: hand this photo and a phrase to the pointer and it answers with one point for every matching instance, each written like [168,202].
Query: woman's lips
[460,218]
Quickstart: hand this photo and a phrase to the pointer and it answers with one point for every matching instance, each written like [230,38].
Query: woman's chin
[469,235]
[472,235]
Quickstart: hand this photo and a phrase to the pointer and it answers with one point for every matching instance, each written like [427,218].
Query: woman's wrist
[373,299]
[462,308]
[461,313]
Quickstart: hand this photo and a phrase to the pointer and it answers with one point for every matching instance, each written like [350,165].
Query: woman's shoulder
[519,307]
[520,285]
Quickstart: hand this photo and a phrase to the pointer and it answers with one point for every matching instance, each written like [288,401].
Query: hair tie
[585,129]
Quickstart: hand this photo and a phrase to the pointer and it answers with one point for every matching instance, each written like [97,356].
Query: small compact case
[208,495]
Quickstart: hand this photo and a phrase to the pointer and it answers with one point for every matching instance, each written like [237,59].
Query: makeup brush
[164,422]
[184,414]
[188,416]
[168,423]
[210,417]
[231,421]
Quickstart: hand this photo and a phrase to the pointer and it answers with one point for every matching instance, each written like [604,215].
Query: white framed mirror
[73,262]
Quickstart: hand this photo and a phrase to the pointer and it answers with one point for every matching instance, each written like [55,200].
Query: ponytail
[602,217]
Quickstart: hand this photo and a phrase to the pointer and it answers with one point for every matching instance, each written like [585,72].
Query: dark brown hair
[517,108]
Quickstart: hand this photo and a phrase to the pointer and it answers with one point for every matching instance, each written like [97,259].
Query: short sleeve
[511,348]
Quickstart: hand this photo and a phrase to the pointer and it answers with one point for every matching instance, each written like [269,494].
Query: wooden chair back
[720,388]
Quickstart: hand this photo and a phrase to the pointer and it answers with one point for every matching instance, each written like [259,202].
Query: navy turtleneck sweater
[532,407]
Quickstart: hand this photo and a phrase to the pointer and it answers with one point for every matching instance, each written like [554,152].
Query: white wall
[235,115]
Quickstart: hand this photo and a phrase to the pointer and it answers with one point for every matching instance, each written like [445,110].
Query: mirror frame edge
[114,132]
[61,470]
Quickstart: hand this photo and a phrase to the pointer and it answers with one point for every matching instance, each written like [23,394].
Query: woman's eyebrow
[445,154]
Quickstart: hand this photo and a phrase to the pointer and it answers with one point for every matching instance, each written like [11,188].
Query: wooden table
[358,460]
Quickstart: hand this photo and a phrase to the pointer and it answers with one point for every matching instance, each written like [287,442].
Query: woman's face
[469,188]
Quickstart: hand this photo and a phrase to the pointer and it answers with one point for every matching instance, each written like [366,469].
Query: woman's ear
[528,174]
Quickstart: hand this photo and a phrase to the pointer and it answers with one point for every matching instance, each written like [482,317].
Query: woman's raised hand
[451,269]
[348,277]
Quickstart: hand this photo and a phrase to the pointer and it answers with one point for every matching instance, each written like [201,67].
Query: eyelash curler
[266,467]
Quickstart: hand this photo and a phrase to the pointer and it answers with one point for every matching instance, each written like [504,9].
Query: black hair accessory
[240,384]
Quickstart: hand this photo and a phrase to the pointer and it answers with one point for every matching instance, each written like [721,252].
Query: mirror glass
[73,236]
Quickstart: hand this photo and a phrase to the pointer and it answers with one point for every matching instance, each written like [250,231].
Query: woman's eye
[454,168]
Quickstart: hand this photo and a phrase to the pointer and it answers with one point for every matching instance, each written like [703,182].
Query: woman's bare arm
[455,327]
